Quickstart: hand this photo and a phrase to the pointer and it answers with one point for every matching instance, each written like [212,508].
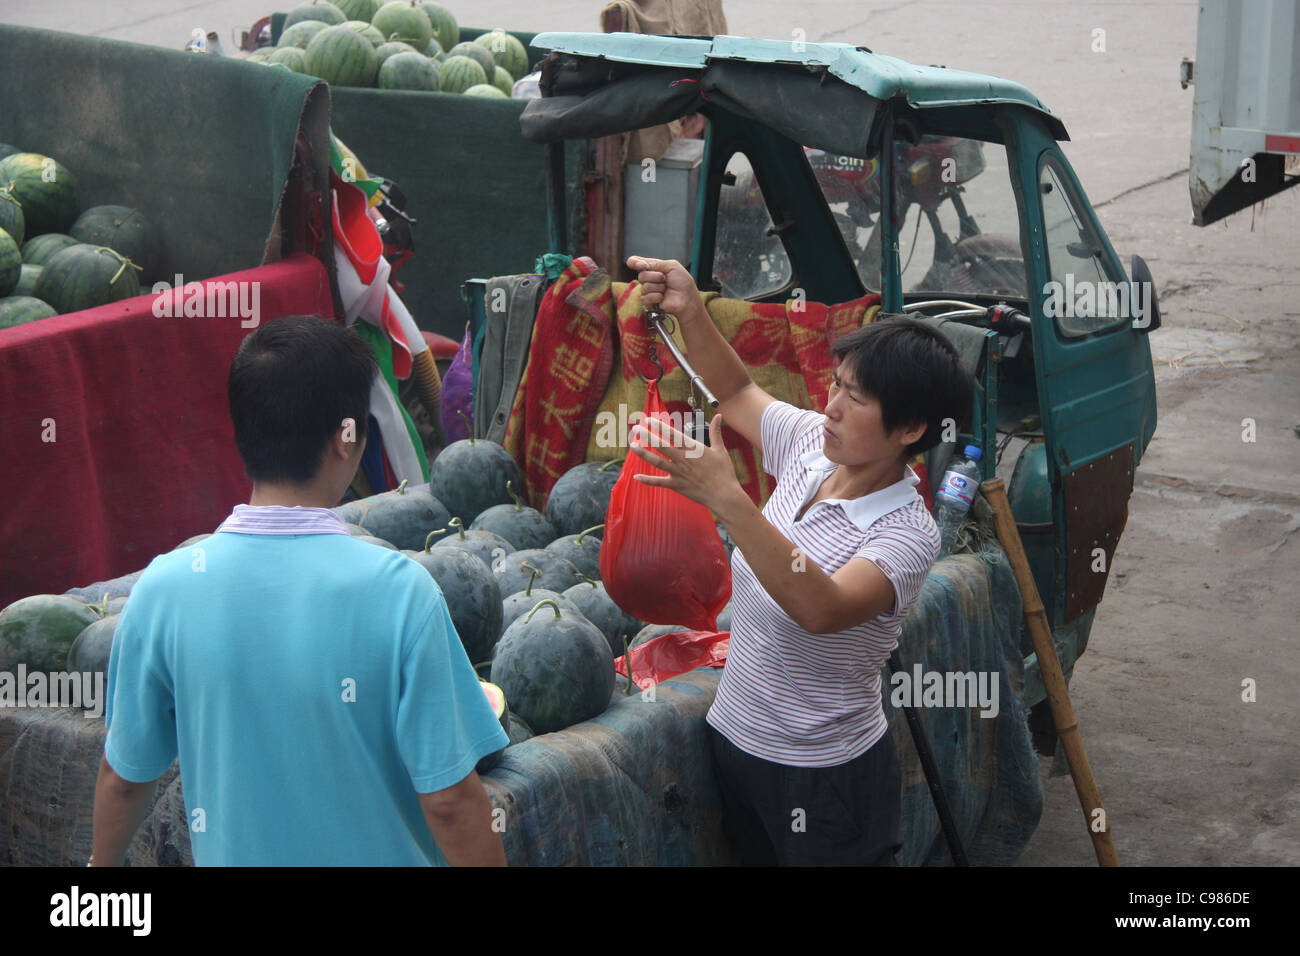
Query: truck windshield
[959,226]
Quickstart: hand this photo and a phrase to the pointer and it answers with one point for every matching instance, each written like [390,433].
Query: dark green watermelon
[114,587]
[471,475]
[582,550]
[409,71]
[515,605]
[595,604]
[21,309]
[39,630]
[472,594]
[11,264]
[124,230]
[555,668]
[724,618]
[84,276]
[12,220]
[406,518]
[518,730]
[45,188]
[7,150]
[727,541]
[581,496]
[554,572]
[522,526]
[39,250]
[484,545]
[89,652]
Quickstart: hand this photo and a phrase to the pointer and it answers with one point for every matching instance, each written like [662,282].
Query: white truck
[1246,110]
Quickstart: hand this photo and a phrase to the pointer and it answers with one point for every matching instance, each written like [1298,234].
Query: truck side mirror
[1146,309]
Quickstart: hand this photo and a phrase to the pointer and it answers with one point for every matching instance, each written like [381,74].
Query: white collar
[867,510]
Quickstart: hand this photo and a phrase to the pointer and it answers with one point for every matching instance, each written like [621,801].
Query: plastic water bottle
[954,497]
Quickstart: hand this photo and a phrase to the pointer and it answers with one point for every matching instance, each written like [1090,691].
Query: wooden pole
[1049,665]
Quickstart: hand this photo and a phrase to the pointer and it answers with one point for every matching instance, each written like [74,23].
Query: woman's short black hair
[913,371]
[291,384]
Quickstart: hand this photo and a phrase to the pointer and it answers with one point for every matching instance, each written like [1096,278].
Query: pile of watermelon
[399,45]
[56,258]
[522,587]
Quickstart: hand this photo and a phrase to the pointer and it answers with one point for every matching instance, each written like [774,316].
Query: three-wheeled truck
[830,174]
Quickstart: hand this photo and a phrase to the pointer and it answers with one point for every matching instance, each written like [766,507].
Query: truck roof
[882,77]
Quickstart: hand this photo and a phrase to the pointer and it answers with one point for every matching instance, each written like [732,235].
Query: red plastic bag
[669,655]
[661,558]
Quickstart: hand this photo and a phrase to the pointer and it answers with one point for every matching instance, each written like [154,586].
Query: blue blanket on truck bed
[635,785]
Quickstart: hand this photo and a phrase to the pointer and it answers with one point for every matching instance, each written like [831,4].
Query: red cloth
[144,453]
[569,363]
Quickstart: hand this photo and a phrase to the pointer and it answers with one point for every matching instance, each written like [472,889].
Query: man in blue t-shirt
[312,685]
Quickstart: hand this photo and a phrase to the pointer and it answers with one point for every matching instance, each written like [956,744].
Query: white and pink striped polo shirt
[808,700]
[279,519]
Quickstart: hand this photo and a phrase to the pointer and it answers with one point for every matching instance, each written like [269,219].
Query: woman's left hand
[702,473]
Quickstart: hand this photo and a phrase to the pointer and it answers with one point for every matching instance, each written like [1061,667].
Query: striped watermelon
[12,220]
[486,90]
[27,279]
[459,73]
[506,50]
[260,56]
[342,57]
[479,54]
[300,34]
[392,49]
[294,57]
[445,28]
[84,276]
[364,10]
[38,250]
[433,49]
[125,230]
[326,13]
[45,188]
[11,264]
[409,71]
[21,309]
[502,81]
[403,20]
[7,150]
[366,30]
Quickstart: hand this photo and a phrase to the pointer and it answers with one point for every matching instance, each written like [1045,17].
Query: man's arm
[120,808]
[460,820]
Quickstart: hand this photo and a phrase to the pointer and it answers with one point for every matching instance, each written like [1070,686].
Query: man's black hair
[291,384]
[913,371]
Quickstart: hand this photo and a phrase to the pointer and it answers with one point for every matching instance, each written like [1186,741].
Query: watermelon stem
[401,489]
[510,487]
[531,577]
[581,534]
[458,525]
[122,259]
[468,427]
[609,464]
[585,578]
[428,542]
[549,601]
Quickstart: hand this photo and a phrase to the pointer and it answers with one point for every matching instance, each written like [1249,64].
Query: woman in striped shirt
[823,576]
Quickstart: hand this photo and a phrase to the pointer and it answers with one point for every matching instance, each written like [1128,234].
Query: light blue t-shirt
[311,685]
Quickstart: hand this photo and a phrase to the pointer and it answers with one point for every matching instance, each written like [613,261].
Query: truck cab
[830,172]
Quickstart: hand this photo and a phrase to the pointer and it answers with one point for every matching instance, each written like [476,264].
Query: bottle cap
[973,452]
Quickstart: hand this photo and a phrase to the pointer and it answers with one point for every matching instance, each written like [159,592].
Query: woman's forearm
[710,354]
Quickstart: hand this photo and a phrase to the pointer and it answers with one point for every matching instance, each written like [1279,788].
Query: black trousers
[777,815]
